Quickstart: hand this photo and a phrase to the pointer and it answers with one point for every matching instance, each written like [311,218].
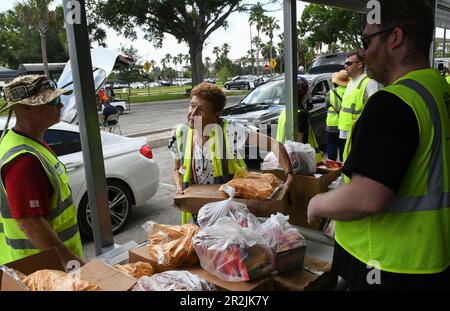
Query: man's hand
[313,218]
[289,187]
[179,190]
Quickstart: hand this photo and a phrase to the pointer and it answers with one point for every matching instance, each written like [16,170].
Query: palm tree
[216,52]
[35,13]
[167,58]
[270,24]
[257,17]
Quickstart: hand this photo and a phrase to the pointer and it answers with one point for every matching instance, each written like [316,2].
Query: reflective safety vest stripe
[224,165]
[412,234]
[334,101]
[281,135]
[352,105]
[14,244]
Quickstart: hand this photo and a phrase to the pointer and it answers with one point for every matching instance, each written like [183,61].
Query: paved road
[159,115]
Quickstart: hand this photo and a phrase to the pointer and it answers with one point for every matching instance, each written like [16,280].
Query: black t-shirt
[384,141]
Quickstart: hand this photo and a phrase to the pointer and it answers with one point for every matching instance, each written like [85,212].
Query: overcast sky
[237,35]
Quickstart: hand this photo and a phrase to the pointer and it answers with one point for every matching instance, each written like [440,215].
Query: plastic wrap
[137,269]
[233,253]
[280,235]
[211,212]
[16,275]
[171,246]
[303,157]
[173,281]
[54,280]
[251,185]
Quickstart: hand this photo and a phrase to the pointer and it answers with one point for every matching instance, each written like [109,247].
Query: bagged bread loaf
[137,269]
[171,246]
[253,185]
[54,280]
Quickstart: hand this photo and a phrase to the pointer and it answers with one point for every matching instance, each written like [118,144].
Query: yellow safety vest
[14,244]
[281,135]
[334,101]
[412,234]
[224,166]
[448,79]
[352,105]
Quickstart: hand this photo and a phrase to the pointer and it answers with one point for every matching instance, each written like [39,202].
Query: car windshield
[271,92]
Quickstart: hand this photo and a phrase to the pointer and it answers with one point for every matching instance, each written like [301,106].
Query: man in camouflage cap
[37,211]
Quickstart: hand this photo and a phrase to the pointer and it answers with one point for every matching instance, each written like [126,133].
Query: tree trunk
[251,51]
[44,55]
[257,56]
[196,53]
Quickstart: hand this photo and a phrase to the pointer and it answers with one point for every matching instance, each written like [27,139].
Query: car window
[63,142]
[321,88]
[269,93]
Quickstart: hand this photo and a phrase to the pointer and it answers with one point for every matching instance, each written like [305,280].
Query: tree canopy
[190,21]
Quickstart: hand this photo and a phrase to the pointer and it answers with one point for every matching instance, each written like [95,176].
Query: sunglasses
[55,102]
[348,64]
[367,39]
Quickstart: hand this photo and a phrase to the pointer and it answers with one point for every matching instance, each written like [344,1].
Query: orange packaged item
[55,280]
[171,246]
[254,185]
[137,269]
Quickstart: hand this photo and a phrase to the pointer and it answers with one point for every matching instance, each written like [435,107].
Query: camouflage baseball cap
[32,90]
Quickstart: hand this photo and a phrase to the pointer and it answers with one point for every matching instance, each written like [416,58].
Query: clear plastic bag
[173,281]
[233,253]
[303,157]
[18,276]
[280,235]
[211,212]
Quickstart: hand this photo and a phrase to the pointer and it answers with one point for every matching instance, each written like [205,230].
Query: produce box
[290,259]
[306,187]
[104,276]
[196,196]
[264,284]
[315,275]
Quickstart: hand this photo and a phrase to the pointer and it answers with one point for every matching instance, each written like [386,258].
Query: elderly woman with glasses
[206,149]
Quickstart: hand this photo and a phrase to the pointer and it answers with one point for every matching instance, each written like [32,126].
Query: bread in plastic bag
[55,280]
[15,274]
[233,253]
[303,157]
[171,246]
[252,185]
[136,269]
[173,281]
[211,212]
[280,235]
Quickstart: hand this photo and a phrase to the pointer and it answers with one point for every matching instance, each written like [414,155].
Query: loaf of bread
[54,280]
[137,269]
[254,185]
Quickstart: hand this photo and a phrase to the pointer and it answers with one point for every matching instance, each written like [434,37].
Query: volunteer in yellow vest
[448,72]
[334,100]
[206,149]
[37,211]
[305,132]
[393,213]
[358,90]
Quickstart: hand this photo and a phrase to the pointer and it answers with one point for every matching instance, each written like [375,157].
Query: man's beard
[380,72]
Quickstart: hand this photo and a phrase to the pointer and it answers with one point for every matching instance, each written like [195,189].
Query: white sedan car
[132,175]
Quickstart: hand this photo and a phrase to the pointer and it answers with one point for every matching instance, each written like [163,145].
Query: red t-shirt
[28,187]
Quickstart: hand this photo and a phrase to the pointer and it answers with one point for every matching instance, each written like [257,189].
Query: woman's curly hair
[211,94]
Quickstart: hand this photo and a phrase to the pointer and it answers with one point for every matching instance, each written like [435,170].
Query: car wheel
[120,202]
[120,110]
[227,87]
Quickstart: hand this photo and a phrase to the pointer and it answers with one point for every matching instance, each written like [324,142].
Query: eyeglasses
[18,93]
[24,91]
[367,39]
[348,64]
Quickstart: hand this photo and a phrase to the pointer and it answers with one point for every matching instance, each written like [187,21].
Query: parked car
[132,175]
[210,80]
[120,85]
[182,81]
[262,107]
[164,83]
[137,85]
[328,63]
[153,84]
[242,82]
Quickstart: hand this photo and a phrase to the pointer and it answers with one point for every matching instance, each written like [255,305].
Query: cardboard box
[306,187]
[196,196]
[316,275]
[103,275]
[290,260]
[263,284]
